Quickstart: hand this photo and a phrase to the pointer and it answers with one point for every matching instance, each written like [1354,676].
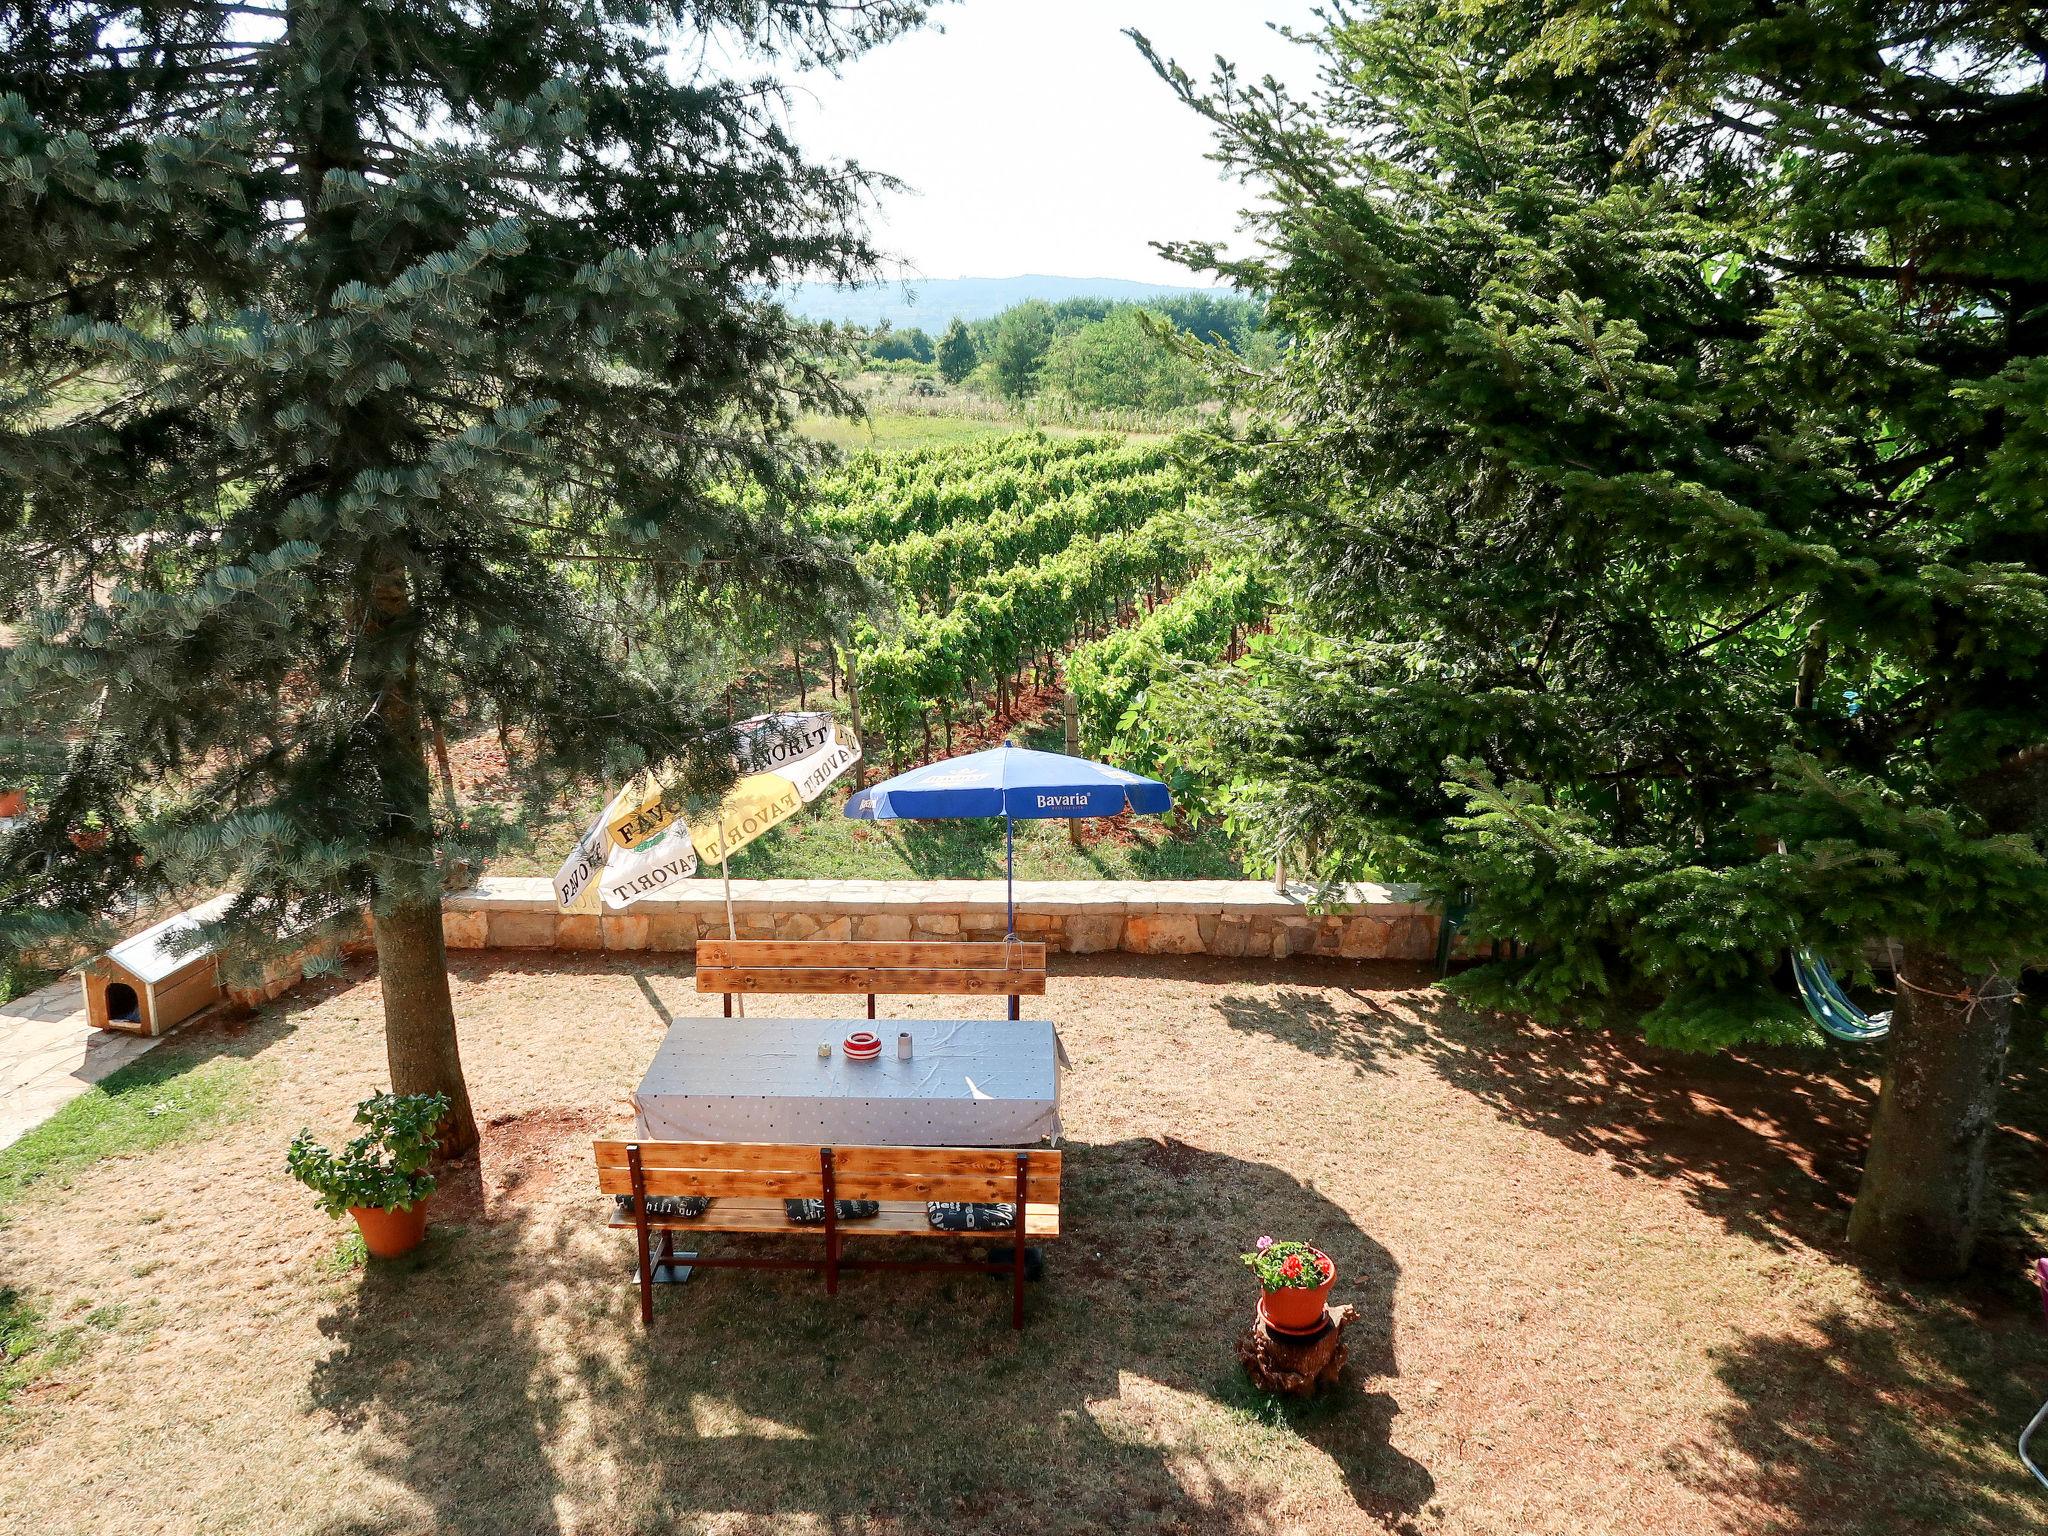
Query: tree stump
[1296,1367]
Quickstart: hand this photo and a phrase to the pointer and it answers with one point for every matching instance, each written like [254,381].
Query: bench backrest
[994,968]
[798,1171]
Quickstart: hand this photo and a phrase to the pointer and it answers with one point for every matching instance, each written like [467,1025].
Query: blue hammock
[1829,1006]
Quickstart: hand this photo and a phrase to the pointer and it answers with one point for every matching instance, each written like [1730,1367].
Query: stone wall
[1144,917]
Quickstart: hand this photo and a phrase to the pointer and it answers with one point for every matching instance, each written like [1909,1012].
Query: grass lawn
[886,429]
[181,1089]
[1600,1290]
[898,419]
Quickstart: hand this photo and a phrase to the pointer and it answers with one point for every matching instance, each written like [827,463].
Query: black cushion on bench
[669,1207]
[964,1216]
[811,1212]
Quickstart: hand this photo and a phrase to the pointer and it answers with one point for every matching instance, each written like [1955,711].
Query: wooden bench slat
[713,1181]
[899,1218]
[789,1157]
[810,1186]
[945,1186]
[849,979]
[900,1179]
[972,954]
[941,1160]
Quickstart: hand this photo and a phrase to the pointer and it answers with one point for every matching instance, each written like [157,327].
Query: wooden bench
[748,1181]
[1015,967]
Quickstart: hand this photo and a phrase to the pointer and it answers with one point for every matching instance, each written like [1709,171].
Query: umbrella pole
[731,928]
[1009,876]
[725,873]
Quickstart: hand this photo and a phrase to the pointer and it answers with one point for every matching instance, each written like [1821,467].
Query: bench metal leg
[670,1267]
[831,1222]
[640,1233]
[1017,1244]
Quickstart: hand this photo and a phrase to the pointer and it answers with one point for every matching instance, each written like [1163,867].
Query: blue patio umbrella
[1011,782]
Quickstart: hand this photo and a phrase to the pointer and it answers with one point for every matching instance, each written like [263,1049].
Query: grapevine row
[1112,677]
[870,472]
[928,500]
[1005,621]
[926,569]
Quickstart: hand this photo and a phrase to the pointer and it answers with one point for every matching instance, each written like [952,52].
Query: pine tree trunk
[420,1043]
[412,962]
[1922,1195]
[412,959]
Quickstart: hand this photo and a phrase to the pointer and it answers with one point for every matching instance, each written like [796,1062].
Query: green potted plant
[381,1177]
[1297,1281]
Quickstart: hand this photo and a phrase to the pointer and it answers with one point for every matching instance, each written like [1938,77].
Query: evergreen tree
[1018,340]
[1659,476]
[956,353]
[342,341]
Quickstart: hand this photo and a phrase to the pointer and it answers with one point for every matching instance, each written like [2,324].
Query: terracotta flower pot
[11,802]
[1299,1308]
[389,1234]
[89,840]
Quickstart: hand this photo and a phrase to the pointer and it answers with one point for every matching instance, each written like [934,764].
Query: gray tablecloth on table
[968,1083]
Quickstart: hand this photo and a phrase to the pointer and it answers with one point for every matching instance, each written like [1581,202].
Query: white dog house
[150,983]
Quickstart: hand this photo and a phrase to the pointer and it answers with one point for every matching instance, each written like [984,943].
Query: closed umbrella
[1014,783]
[640,842]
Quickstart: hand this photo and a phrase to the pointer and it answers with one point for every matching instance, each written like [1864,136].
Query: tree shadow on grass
[1366,1034]
[1896,1427]
[1768,1142]
[1892,1424]
[511,1387]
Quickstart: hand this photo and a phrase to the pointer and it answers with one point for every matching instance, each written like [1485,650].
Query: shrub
[385,1167]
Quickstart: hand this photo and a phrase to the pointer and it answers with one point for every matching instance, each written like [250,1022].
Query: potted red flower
[1297,1281]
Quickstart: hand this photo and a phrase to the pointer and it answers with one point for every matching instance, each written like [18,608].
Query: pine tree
[1659,477]
[956,354]
[343,343]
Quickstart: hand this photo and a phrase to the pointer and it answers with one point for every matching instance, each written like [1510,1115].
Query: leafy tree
[1658,478]
[337,337]
[1227,320]
[956,353]
[892,346]
[1017,344]
[1123,361]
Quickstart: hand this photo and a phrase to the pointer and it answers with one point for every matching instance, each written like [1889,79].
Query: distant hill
[933,303]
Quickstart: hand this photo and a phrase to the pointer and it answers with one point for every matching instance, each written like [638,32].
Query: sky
[1035,139]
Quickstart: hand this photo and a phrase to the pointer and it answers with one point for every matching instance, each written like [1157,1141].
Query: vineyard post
[1072,711]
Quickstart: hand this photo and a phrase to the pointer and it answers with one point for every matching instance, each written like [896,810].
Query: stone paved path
[49,1055]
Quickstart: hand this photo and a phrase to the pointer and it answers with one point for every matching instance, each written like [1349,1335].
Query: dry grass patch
[1600,1291]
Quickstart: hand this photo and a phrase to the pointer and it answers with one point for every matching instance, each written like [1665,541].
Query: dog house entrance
[123,1006]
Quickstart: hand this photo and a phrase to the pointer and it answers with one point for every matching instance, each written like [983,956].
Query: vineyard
[1007,571]
[1005,557]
